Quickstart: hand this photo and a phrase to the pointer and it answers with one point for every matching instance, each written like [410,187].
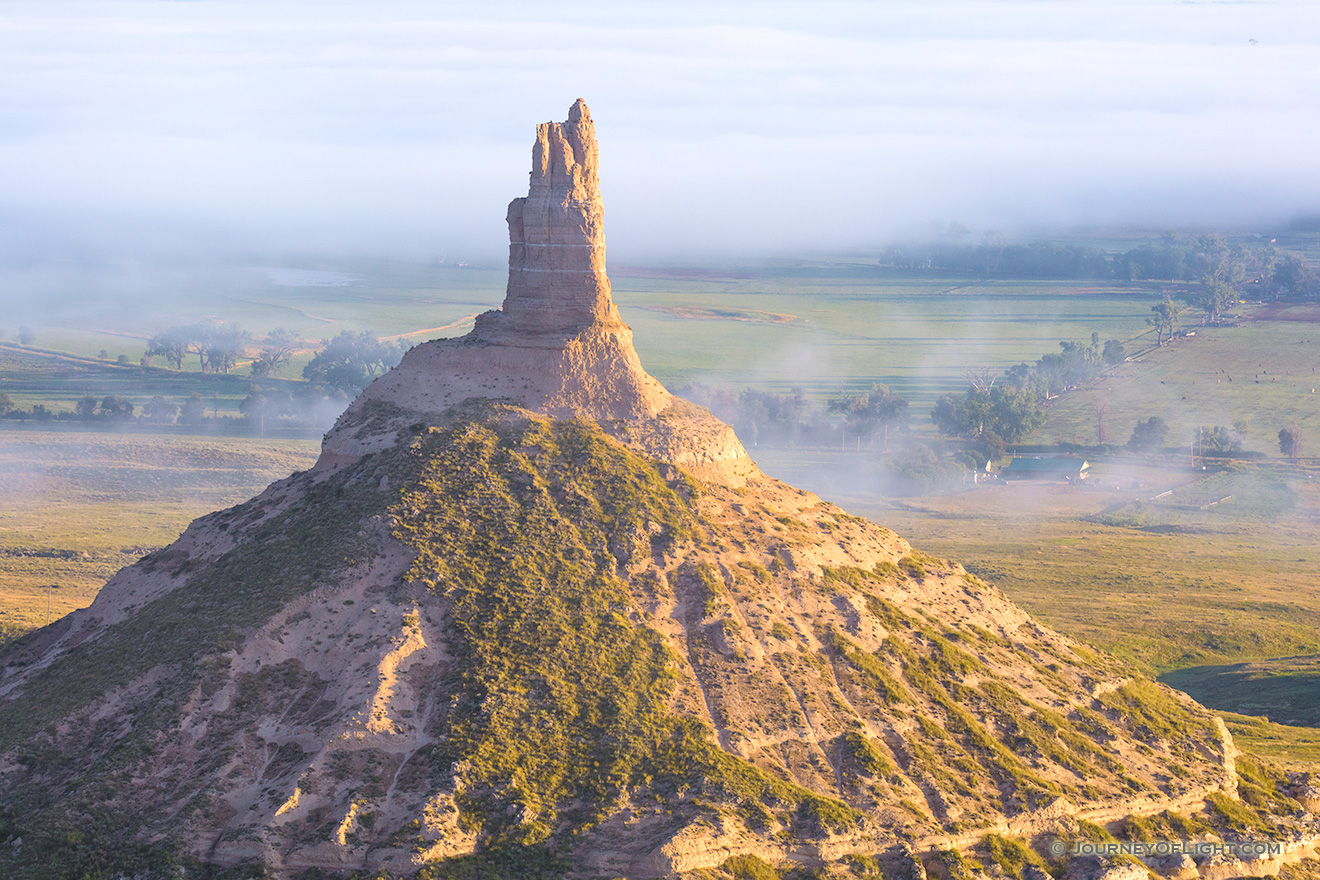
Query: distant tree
[1074,366]
[41,413]
[1168,262]
[1009,411]
[85,408]
[1292,279]
[918,469]
[276,349]
[1114,353]
[1215,297]
[171,345]
[218,345]
[192,411]
[159,410]
[6,404]
[795,407]
[1100,409]
[990,447]
[116,408]
[981,378]
[1166,313]
[1218,440]
[224,344]
[722,402]
[1290,440]
[864,413]
[1148,435]
[258,409]
[350,361]
[26,336]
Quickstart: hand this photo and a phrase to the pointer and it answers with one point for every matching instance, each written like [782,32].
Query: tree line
[348,362]
[1219,271]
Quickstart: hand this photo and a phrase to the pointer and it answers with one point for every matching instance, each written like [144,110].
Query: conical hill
[557,629]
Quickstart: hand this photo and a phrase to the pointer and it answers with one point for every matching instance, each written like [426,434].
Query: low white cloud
[404,128]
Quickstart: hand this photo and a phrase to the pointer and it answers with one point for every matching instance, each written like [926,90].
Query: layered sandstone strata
[557,345]
[557,281]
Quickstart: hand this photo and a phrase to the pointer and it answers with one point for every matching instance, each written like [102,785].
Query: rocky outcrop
[557,346]
[557,281]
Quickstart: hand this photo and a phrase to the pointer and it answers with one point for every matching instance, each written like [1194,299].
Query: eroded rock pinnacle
[557,346]
[557,280]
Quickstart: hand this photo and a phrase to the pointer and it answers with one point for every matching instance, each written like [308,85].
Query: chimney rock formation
[557,346]
[557,281]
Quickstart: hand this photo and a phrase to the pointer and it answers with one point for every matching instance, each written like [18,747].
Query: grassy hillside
[1261,375]
[605,654]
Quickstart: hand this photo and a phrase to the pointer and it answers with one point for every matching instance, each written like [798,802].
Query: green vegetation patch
[1167,825]
[865,756]
[750,867]
[1011,855]
[560,700]
[1236,815]
[1154,713]
[869,668]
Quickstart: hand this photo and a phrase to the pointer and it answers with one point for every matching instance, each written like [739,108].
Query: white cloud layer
[403,128]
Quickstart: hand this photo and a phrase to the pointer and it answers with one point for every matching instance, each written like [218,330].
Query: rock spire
[557,346]
[557,281]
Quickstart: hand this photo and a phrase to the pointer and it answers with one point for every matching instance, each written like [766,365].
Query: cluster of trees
[346,363]
[1151,434]
[10,410]
[763,416]
[877,409]
[218,345]
[1221,271]
[1035,260]
[351,360]
[111,408]
[306,407]
[997,410]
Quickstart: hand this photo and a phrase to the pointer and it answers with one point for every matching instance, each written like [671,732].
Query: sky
[402,129]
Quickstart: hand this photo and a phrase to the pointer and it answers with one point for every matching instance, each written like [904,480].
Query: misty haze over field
[213,129]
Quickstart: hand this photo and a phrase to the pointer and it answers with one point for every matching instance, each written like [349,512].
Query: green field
[788,330]
[1261,374]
